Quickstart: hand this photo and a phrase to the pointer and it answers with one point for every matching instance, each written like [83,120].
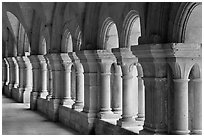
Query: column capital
[55,61]
[124,56]
[10,62]
[34,61]
[66,62]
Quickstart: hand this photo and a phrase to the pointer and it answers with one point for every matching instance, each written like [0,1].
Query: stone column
[117,91]
[16,84]
[7,72]
[105,91]
[28,80]
[36,81]
[22,66]
[197,113]
[127,119]
[57,85]
[180,125]
[11,76]
[50,80]
[67,64]
[44,76]
[141,100]
[4,72]
[79,103]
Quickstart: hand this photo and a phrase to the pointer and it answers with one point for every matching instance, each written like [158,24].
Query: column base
[48,97]
[117,111]
[16,85]
[67,102]
[180,132]
[127,123]
[43,94]
[33,100]
[11,86]
[78,106]
[197,132]
[107,115]
[140,118]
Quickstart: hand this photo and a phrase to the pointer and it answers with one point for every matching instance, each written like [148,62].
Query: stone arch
[181,20]
[131,29]
[78,36]
[193,29]
[108,38]
[43,46]
[44,41]
[67,45]
[195,71]
[26,49]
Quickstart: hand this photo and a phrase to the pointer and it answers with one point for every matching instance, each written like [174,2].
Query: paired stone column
[50,80]
[43,76]
[67,64]
[4,72]
[141,96]
[79,103]
[7,72]
[57,85]
[11,75]
[180,106]
[127,61]
[28,80]
[22,66]
[105,91]
[197,111]
[117,90]
[36,81]
[16,73]
[181,57]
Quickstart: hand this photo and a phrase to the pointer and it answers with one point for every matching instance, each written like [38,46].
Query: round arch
[109,35]
[67,45]
[131,29]
[181,20]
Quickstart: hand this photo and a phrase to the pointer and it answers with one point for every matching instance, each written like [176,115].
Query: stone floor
[18,119]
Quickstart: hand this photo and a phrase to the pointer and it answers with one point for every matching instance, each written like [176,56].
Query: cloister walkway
[18,119]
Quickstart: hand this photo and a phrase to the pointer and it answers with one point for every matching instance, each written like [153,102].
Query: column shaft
[79,103]
[117,93]
[197,113]
[105,93]
[16,84]
[128,113]
[180,125]
[141,99]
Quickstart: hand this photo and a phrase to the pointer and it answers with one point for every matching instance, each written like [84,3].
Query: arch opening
[132,29]
[193,32]
[67,45]
[109,35]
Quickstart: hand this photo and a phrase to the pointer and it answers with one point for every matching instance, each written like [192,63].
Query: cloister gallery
[106,67]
